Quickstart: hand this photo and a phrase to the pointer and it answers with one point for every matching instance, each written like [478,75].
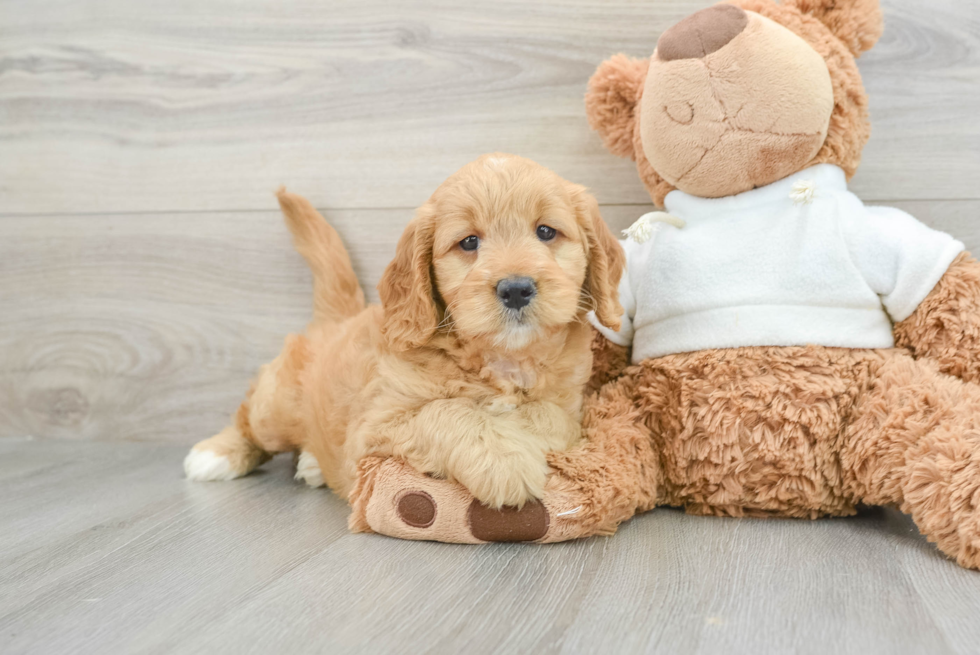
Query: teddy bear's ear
[611,100]
[857,23]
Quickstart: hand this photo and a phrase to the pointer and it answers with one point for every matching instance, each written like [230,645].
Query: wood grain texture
[149,327]
[111,551]
[110,106]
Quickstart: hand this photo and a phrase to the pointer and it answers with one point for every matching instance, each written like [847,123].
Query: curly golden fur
[442,374]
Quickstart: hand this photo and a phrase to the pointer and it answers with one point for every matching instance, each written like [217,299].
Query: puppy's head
[504,251]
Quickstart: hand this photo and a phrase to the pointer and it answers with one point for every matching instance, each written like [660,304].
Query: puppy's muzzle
[516,292]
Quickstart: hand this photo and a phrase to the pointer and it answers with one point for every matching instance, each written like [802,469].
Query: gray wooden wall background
[144,270]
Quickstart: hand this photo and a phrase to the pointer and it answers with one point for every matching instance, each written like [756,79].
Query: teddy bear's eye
[680,112]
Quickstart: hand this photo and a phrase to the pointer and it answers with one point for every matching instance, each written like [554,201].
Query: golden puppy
[474,365]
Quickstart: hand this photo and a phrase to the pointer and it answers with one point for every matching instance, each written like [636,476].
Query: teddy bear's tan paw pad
[401,502]
[398,501]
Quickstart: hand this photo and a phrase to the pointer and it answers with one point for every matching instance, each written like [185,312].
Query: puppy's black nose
[516,292]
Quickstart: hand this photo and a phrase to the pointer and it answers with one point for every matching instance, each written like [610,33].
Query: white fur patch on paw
[501,406]
[308,470]
[205,466]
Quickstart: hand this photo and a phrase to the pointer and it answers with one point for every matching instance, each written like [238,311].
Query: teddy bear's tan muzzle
[732,101]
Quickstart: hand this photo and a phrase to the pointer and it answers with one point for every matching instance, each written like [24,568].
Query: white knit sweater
[800,261]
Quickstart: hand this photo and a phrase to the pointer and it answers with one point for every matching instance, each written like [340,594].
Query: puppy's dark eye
[471,242]
[546,233]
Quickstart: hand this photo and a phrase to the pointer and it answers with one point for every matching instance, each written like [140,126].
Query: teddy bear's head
[740,95]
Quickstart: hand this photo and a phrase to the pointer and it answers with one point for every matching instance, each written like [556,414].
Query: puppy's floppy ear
[606,259]
[406,288]
[857,23]
[610,102]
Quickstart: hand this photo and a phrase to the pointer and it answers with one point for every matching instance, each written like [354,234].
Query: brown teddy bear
[794,352]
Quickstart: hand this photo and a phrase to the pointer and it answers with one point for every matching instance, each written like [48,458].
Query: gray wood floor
[108,550]
[145,275]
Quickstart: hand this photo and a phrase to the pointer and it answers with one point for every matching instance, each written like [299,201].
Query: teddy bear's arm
[609,360]
[946,325]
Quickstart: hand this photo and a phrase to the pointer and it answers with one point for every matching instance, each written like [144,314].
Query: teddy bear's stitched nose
[702,33]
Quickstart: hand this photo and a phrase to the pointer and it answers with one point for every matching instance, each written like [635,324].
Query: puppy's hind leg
[266,423]
[225,456]
[308,470]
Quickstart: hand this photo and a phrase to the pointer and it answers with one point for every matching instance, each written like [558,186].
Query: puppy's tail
[337,295]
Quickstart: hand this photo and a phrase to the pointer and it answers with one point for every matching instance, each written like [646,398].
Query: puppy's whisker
[588,298]
[448,321]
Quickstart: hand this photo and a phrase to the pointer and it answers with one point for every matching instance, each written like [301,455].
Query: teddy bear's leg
[946,325]
[592,489]
[914,440]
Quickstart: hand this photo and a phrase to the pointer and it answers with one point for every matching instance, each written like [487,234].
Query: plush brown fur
[609,360]
[800,432]
[442,375]
[946,326]
[856,23]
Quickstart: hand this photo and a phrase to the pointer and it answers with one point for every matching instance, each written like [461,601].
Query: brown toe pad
[508,524]
[416,508]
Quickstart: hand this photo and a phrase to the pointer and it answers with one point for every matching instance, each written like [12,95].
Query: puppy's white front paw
[308,470]
[502,405]
[206,466]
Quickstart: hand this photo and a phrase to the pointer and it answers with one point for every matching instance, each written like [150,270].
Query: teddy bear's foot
[394,499]
[593,487]
[914,440]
